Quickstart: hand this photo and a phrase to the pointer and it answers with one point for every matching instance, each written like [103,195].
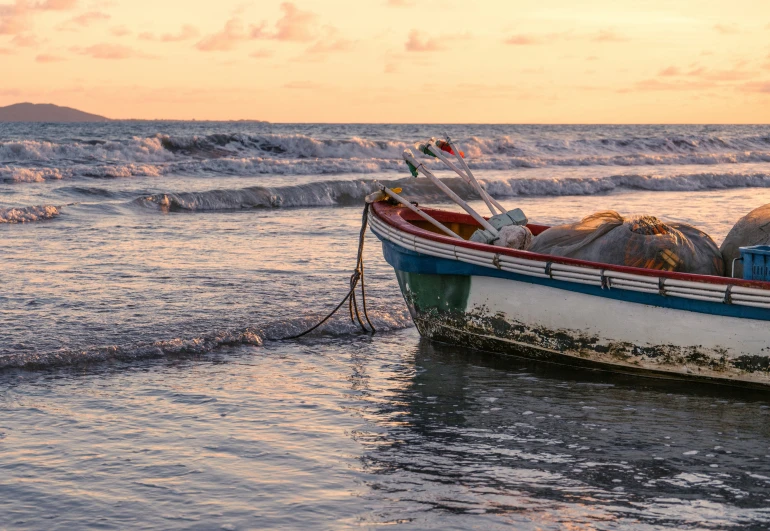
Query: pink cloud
[330,42]
[295,25]
[726,29]
[6,51]
[658,85]
[56,5]
[417,42]
[261,54]
[120,31]
[17,17]
[186,33]
[25,40]
[110,51]
[400,3]
[47,58]
[758,86]
[14,18]
[84,20]
[734,74]
[670,71]
[225,40]
[522,40]
[609,36]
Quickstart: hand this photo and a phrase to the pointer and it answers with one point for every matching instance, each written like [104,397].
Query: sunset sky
[593,61]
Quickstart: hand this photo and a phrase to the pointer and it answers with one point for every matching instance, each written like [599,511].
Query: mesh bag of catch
[639,241]
[751,229]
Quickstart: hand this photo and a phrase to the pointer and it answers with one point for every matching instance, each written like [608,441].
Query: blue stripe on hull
[403,259]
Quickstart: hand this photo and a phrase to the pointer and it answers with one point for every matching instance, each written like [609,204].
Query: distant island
[46,112]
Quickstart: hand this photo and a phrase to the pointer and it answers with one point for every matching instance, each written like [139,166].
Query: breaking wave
[300,154]
[350,193]
[255,336]
[588,186]
[326,193]
[28,214]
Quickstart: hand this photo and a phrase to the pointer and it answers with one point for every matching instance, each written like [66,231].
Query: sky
[405,61]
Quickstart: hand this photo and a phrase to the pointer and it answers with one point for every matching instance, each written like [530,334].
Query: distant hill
[46,112]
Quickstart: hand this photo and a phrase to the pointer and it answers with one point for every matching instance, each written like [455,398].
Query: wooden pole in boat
[393,195]
[436,152]
[467,169]
[418,166]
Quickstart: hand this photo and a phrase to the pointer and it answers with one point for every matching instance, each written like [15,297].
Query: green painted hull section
[428,294]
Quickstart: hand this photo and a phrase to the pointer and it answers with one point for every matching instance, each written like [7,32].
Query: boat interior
[464,226]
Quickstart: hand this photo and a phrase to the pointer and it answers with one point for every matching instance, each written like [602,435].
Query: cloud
[295,25]
[330,42]
[47,58]
[400,3]
[26,40]
[110,51]
[658,85]
[261,54]
[14,93]
[56,5]
[699,72]
[232,34]
[417,42]
[17,17]
[186,33]
[83,21]
[6,51]
[14,18]
[522,40]
[734,74]
[726,29]
[608,36]
[120,31]
[670,71]
[762,87]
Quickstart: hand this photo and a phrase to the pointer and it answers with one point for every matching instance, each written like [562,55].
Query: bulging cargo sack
[514,237]
[640,241]
[751,229]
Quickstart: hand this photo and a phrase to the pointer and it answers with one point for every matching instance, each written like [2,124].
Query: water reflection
[548,446]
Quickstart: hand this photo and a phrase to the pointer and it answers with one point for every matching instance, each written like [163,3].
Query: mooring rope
[358,275]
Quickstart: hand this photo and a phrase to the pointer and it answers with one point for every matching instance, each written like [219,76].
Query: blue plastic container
[756,262]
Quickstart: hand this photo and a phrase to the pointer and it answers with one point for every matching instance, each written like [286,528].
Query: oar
[416,167]
[393,195]
[434,151]
[465,167]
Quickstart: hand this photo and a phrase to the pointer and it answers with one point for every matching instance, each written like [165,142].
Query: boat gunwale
[399,218]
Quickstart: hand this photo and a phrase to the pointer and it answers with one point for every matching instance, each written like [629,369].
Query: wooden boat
[626,319]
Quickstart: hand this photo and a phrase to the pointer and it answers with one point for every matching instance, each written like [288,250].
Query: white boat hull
[583,316]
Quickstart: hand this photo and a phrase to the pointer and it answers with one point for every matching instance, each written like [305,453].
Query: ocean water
[150,269]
